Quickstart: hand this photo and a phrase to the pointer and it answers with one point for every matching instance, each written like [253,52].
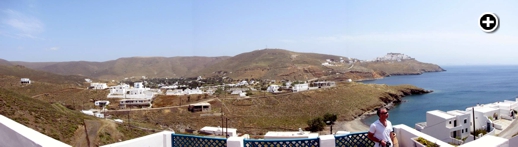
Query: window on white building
[465,120]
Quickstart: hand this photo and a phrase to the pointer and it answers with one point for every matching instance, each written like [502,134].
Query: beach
[355,125]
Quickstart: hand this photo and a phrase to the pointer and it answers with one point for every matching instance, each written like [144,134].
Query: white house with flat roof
[137,92]
[98,86]
[25,81]
[300,87]
[482,114]
[273,88]
[449,125]
[446,126]
[140,103]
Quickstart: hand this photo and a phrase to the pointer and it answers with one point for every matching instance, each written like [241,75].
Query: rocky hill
[400,64]
[271,64]
[36,75]
[263,64]
[129,67]
[4,62]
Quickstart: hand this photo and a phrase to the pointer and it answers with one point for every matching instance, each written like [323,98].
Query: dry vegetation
[256,116]
[53,109]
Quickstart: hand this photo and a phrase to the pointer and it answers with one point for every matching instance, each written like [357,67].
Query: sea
[455,89]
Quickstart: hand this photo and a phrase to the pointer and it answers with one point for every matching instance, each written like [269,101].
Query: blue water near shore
[455,89]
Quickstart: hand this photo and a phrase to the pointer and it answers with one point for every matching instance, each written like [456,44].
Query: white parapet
[235,142]
[18,135]
[327,140]
[160,139]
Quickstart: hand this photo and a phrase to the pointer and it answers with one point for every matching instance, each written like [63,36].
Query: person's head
[382,113]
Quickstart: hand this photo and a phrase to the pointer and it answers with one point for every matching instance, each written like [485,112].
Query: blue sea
[455,89]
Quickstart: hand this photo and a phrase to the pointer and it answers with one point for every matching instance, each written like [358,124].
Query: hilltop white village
[492,122]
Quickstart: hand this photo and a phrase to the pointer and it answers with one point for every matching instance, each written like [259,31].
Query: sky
[441,32]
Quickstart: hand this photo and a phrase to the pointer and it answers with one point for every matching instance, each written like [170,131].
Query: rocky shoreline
[357,125]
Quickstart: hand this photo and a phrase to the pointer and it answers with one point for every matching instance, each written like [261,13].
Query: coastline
[358,125]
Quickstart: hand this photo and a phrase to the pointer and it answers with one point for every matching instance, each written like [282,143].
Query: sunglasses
[384,112]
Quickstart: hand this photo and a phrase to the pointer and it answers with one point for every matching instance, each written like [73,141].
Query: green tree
[330,117]
[316,124]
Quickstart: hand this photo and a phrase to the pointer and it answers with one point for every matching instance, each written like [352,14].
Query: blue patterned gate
[353,140]
[180,140]
[310,142]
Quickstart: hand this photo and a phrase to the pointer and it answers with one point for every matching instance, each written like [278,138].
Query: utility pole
[226,127]
[221,118]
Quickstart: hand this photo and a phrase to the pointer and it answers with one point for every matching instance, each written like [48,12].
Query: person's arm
[393,136]
[371,137]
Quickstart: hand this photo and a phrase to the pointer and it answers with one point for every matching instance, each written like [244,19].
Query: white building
[482,114]
[196,91]
[101,103]
[242,94]
[25,81]
[174,92]
[218,131]
[119,89]
[141,103]
[287,84]
[234,92]
[446,126]
[300,87]
[203,107]
[273,88]
[242,83]
[321,84]
[98,86]
[138,85]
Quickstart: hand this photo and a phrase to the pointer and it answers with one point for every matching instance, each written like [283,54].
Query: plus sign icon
[488,22]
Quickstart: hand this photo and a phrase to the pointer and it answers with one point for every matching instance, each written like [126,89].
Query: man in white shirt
[381,130]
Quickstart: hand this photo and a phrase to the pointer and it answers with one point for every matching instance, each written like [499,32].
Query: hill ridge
[257,64]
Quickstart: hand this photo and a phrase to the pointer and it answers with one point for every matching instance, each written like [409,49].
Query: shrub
[479,131]
[427,143]
[330,117]
[315,124]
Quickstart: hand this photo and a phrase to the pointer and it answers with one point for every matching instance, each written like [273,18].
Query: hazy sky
[441,32]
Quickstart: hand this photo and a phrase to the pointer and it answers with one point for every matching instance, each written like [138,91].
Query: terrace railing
[353,140]
[181,140]
[309,142]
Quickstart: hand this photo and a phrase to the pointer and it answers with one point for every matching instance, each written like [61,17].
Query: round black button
[488,22]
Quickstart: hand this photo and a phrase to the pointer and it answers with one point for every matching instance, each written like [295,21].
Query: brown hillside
[259,64]
[5,62]
[35,75]
[272,64]
[291,111]
[42,105]
[129,67]
[405,67]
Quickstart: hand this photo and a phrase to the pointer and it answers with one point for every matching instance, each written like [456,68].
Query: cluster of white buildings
[393,57]
[98,86]
[138,95]
[138,91]
[186,91]
[331,62]
[451,125]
